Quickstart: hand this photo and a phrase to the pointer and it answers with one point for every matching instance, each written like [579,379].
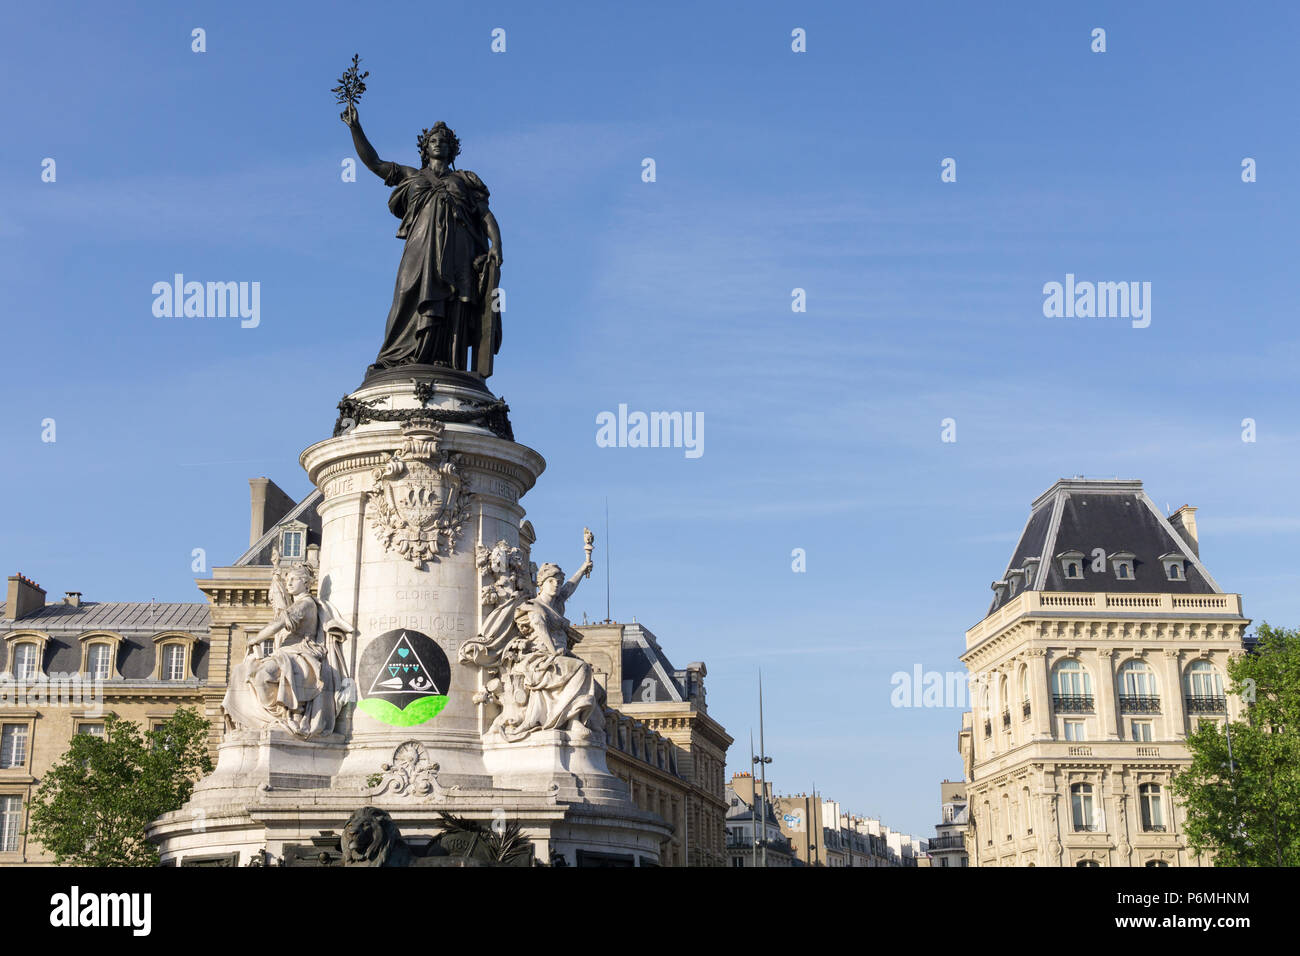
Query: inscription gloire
[417,596]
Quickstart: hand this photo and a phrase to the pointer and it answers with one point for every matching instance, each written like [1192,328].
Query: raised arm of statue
[365,152]
[571,585]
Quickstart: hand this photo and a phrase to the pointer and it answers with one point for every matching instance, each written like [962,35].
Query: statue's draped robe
[543,686]
[440,294]
[299,686]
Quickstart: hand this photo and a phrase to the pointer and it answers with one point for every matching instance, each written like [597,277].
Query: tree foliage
[1245,810]
[93,805]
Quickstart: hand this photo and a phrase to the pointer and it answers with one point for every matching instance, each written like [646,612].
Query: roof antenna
[608,559]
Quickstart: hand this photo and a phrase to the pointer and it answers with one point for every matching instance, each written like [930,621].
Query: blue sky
[775,170]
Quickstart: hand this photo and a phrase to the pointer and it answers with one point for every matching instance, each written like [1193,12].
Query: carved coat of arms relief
[420,500]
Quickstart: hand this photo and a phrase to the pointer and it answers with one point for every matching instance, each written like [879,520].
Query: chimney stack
[268,504]
[24,597]
[72,598]
[1184,522]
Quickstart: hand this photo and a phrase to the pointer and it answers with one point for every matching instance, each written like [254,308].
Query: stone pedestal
[406,497]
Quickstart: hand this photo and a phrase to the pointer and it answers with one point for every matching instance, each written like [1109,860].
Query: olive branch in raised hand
[352,83]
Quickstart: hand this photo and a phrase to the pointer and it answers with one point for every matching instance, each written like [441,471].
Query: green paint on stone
[417,712]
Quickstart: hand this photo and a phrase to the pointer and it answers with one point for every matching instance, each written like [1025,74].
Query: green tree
[1244,808]
[93,805]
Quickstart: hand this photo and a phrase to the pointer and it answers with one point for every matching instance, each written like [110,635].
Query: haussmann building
[1106,644]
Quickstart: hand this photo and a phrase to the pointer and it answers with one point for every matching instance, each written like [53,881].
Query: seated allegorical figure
[531,674]
[302,685]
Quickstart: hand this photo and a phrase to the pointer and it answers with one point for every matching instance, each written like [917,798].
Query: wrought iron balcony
[946,843]
[1206,705]
[1136,704]
[1072,703]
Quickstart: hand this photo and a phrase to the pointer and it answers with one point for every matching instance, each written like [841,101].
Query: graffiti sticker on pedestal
[403,677]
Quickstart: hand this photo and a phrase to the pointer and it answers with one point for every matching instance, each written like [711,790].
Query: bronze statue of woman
[444,304]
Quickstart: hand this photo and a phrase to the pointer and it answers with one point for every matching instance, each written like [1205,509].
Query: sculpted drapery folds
[302,685]
[523,649]
[444,308]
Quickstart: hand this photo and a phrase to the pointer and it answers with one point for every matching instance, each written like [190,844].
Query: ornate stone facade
[1106,642]
[153,658]
[662,742]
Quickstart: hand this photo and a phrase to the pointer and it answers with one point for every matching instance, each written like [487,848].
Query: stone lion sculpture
[371,838]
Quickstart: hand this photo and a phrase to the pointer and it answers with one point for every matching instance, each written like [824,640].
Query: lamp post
[762,760]
[753,809]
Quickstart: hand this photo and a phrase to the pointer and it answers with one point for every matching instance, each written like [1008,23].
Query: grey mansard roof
[138,622]
[120,616]
[1082,515]
[646,669]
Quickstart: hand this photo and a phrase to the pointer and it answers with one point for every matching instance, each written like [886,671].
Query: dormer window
[1031,572]
[1175,566]
[1071,564]
[999,589]
[1122,562]
[174,656]
[26,661]
[293,540]
[99,652]
[1015,581]
[99,661]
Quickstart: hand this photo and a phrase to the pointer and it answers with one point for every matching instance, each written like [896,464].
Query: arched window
[173,662]
[1071,687]
[1153,811]
[1156,863]
[1082,811]
[1204,688]
[1070,678]
[1087,863]
[99,661]
[1203,680]
[99,654]
[25,664]
[174,655]
[1137,680]
[1137,689]
[1071,564]
[1122,561]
